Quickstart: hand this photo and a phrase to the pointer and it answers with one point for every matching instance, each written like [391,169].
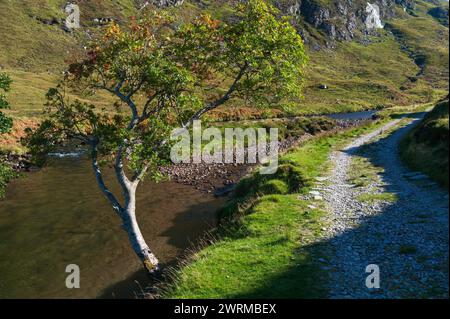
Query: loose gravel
[407,239]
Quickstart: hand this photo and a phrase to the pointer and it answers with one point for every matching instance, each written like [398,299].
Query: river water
[353,116]
[57,216]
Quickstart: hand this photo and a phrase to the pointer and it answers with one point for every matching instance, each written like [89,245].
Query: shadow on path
[407,239]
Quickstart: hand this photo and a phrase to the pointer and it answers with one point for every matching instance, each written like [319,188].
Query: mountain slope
[352,67]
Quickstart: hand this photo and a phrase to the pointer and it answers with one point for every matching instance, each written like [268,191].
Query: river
[353,116]
[57,216]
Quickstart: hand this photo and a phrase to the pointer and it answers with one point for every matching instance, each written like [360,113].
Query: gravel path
[407,239]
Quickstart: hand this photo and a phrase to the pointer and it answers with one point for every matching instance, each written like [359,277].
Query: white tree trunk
[137,241]
[127,212]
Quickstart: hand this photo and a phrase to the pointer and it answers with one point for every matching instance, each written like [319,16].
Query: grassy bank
[425,148]
[268,247]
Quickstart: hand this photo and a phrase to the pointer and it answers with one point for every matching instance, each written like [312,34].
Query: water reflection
[57,216]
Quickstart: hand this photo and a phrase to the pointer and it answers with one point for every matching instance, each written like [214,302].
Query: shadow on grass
[408,240]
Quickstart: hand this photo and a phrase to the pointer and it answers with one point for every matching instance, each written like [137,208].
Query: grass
[267,246]
[426,40]
[359,76]
[28,44]
[425,148]
[261,259]
[35,54]
[371,198]
[28,90]
[363,172]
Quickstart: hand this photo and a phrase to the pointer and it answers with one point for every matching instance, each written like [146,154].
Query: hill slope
[352,67]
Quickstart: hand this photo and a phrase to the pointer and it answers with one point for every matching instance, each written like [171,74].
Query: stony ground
[398,221]
[221,178]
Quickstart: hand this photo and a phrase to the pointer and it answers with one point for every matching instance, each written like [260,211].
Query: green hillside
[405,63]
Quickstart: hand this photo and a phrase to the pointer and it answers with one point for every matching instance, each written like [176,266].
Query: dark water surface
[57,216]
[353,116]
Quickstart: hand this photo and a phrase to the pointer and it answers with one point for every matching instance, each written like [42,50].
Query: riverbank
[220,179]
[10,167]
[263,247]
[6,175]
[267,245]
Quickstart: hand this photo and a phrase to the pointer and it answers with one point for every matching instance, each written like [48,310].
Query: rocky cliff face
[339,19]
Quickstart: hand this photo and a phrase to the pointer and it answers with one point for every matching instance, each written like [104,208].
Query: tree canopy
[168,75]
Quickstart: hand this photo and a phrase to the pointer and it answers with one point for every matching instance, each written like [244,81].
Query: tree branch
[123,180]
[129,102]
[145,112]
[220,101]
[139,175]
[98,174]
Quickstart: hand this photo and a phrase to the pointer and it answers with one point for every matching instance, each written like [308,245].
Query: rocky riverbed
[209,178]
[220,178]
[20,163]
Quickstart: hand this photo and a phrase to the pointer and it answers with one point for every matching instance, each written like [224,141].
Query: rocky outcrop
[407,4]
[373,19]
[162,3]
[339,19]
[72,21]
